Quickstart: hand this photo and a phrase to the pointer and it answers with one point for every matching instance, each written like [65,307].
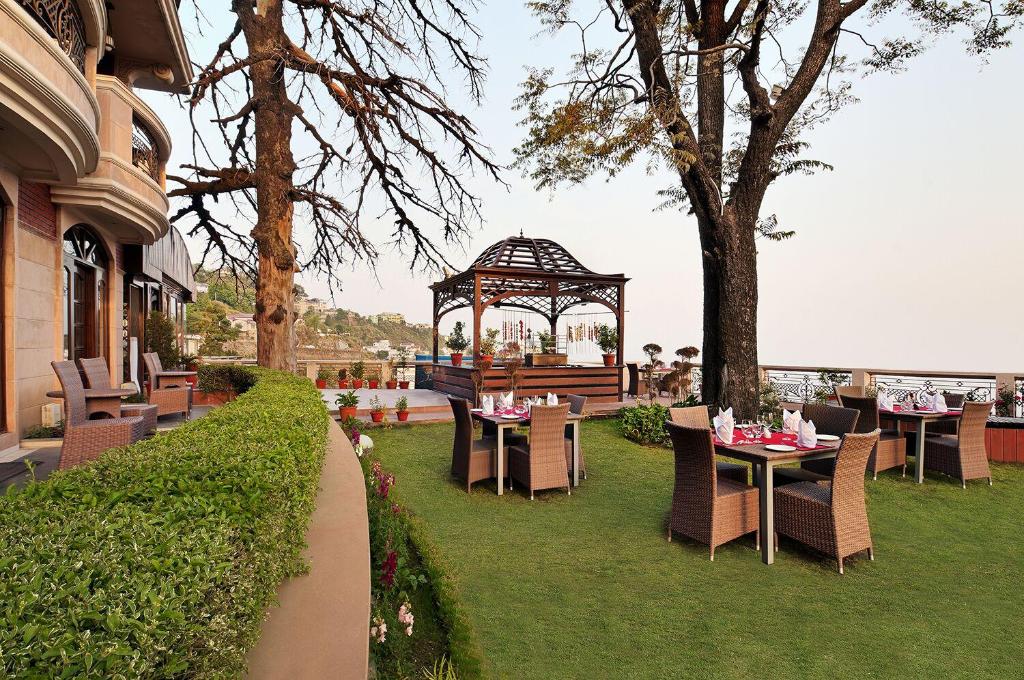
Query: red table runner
[783,438]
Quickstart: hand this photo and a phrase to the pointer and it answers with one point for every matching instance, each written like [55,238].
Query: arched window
[86,315]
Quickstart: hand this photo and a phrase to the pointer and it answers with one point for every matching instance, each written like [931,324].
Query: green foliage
[690,400]
[225,378]
[402,404]
[208,318]
[159,559]
[359,331]
[769,407]
[489,342]
[457,341]
[645,424]
[376,405]
[443,670]
[547,342]
[607,338]
[162,338]
[347,399]
[324,373]
[358,370]
[43,432]
[237,293]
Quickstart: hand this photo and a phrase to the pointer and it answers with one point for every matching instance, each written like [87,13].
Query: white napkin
[791,421]
[487,403]
[939,403]
[505,400]
[552,399]
[884,401]
[724,424]
[806,436]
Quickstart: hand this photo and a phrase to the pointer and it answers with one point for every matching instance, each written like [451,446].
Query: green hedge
[226,378]
[160,559]
[645,424]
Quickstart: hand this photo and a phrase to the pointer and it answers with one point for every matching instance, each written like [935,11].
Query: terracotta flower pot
[192,380]
[391,384]
[377,416]
[343,384]
[374,384]
[609,359]
[456,358]
[321,384]
[357,383]
[403,384]
[403,416]
[486,361]
[346,412]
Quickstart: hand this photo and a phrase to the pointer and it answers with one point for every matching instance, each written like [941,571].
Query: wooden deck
[598,383]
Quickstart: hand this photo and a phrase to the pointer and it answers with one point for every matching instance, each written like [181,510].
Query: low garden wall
[160,559]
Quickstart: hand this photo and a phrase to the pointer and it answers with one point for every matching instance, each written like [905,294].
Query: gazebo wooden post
[477,314]
[553,319]
[620,324]
[436,321]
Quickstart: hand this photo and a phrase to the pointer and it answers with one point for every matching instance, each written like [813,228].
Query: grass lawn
[586,585]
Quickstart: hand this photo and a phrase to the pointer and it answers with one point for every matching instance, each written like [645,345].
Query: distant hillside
[360,331]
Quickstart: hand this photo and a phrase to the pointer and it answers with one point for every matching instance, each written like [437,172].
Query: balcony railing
[62,20]
[144,151]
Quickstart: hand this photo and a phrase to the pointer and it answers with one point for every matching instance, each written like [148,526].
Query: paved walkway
[321,627]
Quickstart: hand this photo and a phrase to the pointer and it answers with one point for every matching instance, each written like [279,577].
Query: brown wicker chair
[541,463]
[472,459]
[634,386]
[962,456]
[489,429]
[891,450]
[84,439]
[834,420]
[848,391]
[705,507]
[698,417]
[167,394]
[831,517]
[97,377]
[942,427]
[577,406]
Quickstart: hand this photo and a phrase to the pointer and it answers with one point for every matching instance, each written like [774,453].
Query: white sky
[910,255]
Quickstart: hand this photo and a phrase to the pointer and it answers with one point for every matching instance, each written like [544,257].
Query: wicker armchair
[953,400]
[831,517]
[698,417]
[541,463]
[705,507]
[168,394]
[848,391]
[472,459]
[962,456]
[577,406]
[834,420]
[84,439]
[491,430]
[891,450]
[97,377]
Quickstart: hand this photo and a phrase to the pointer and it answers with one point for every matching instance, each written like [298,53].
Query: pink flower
[388,569]
[405,616]
[386,482]
[379,629]
[355,436]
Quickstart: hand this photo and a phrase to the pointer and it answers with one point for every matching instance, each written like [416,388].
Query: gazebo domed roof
[538,254]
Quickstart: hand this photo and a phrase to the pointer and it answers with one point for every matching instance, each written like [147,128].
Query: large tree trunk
[275,166]
[729,362]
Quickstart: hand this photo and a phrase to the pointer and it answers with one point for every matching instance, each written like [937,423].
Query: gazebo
[540,276]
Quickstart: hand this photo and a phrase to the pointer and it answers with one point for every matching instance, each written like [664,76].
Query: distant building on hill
[315,305]
[387,317]
[244,322]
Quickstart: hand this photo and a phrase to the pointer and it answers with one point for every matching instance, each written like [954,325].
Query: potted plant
[402,408]
[377,409]
[457,343]
[374,378]
[488,343]
[347,403]
[342,379]
[548,354]
[608,341]
[392,382]
[358,371]
[190,362]
[322,376]
[403,361]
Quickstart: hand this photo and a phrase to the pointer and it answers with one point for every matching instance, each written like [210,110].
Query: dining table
[511,418]
[764,461]
[921,418]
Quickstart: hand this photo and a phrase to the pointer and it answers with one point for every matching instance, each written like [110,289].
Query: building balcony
[48,111]
[127,187]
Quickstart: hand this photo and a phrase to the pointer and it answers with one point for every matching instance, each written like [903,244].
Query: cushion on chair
[810,491]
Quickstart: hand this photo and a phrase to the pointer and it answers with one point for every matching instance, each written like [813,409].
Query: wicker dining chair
[489,429]
[832,516]
[168,398]
[953,400]
[834,420]
[577,406]
[84,439]
[98,377]
[705,506]
[541,463]
[633,388]
[962,456]
[700,418]
[472,459]
[891,450]
[848,391]
[161,377]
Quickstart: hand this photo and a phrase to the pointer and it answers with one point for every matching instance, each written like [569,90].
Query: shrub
[645,424]
[347,399]
[607,338]
[226,378]
[402,404]
[457,341]
[162,338]
[44,432]
[160,559]
[358,370]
